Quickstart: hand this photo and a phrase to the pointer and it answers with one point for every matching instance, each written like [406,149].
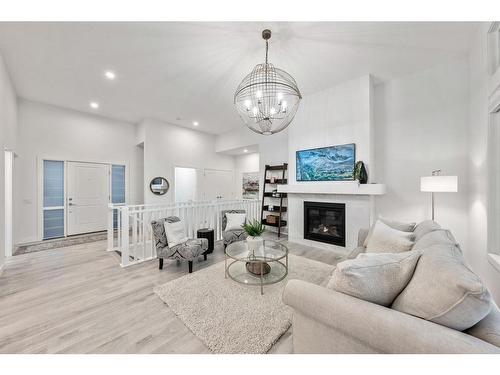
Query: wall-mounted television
[334,163]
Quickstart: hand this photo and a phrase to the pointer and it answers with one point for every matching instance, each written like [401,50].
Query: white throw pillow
[377,278]
[235,221]
[399,225]
[385,239]
[176,233]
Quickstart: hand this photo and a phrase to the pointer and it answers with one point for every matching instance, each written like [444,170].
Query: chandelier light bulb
[267,98]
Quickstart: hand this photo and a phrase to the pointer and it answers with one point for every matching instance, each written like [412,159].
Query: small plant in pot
[254,230]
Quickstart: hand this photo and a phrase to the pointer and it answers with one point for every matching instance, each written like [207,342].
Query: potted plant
[254,229]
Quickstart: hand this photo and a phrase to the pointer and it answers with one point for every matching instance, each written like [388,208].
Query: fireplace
[325,222]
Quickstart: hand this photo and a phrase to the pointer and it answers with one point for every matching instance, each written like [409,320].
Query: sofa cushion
[377,278]
[488,329]
[385,239]
[436,237]
[425,227]
[444,291]
[398,225]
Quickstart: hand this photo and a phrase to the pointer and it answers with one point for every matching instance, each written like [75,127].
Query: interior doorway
[186,183]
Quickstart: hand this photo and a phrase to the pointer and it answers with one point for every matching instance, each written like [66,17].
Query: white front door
[218,184]
[87,197]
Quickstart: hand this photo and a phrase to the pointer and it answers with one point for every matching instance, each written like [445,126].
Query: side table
[207,233]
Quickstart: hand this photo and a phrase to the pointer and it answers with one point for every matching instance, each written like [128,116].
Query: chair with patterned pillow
[188,250]
[230,235]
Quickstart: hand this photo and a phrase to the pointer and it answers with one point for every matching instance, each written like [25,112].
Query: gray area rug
[233,318]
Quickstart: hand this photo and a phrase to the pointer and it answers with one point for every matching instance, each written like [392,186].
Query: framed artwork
[250,185]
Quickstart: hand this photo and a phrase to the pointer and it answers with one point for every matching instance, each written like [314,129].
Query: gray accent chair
[189,250]
[230,236]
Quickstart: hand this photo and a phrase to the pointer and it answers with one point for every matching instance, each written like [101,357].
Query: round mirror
[159,186]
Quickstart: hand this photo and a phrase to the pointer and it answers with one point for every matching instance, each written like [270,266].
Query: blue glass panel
[53,183]
[53,223]
[118,184]
[117,188]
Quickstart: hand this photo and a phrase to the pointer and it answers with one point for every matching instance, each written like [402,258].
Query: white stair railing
[130,232]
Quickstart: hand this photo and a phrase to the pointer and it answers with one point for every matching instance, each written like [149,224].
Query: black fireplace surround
[325,222]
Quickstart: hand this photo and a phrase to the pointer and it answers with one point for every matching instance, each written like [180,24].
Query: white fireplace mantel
[349,188]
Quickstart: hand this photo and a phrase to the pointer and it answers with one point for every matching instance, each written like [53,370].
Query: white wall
[244,164]
[476,250]
[53,132]
[168,146]
[420,126]
[8,136]
[335,116]
[338,115]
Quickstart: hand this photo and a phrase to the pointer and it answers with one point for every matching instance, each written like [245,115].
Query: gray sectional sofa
[328,321]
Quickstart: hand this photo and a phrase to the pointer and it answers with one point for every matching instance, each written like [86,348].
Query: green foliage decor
[254,228]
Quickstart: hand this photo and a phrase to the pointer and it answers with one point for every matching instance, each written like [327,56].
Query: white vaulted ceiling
[182,72]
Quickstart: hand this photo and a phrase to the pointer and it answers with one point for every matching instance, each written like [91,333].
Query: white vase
[254,243]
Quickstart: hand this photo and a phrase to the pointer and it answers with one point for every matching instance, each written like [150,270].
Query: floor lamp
[438,184]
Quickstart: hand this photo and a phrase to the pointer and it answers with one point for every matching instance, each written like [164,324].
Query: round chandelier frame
[267,98]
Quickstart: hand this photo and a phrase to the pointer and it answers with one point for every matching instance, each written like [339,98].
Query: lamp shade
[439,184]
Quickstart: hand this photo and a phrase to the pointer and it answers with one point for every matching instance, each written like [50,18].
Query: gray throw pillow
[398,225]
[439,236]
[377,278]
[444,291]
[425,227]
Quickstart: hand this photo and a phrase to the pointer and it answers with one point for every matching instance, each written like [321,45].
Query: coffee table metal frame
[260,260]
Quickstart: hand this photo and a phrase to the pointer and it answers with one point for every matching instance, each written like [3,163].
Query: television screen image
[334,163]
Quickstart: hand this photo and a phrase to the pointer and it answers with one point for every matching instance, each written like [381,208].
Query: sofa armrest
[378,328]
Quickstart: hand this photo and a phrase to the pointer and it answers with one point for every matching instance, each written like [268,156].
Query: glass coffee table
[267,264]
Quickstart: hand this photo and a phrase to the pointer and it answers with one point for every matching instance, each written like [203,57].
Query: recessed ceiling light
[195,123]
[110,75]
[245,150]
[94,105]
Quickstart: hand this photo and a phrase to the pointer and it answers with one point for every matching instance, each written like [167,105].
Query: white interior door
[218,184]
[87,197]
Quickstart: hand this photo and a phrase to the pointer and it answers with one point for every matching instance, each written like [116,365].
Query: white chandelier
[268,98]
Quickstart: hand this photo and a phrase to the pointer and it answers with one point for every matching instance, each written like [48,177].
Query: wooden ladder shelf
[269,196]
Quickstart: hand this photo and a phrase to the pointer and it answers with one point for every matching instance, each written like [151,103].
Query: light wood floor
[78,299]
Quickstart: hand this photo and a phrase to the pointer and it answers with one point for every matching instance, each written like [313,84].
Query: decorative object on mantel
[360,172]
[334,163]
[438,184]
[267,98]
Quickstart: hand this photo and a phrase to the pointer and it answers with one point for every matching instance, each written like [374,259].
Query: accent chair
[189,250]
[234,235]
